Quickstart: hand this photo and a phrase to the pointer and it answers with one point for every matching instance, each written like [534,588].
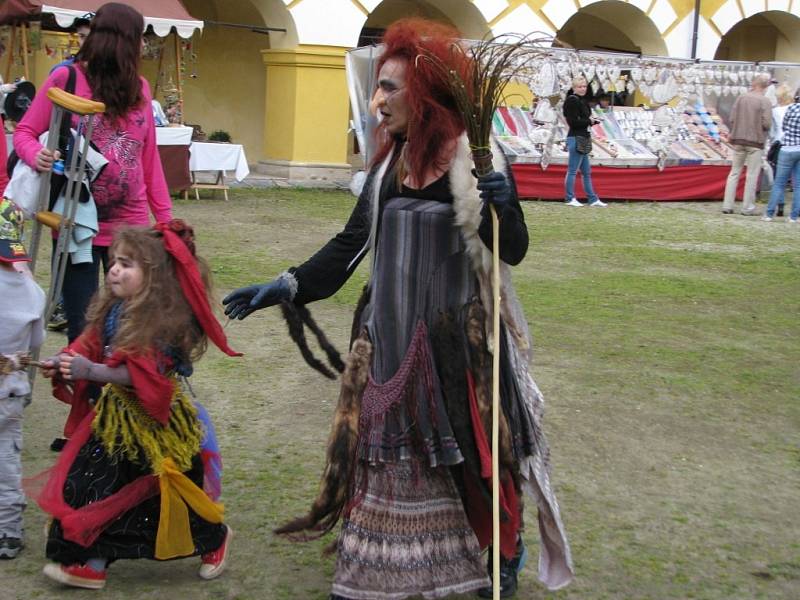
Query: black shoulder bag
[583,144]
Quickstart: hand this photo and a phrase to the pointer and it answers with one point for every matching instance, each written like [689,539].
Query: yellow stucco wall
[227,92]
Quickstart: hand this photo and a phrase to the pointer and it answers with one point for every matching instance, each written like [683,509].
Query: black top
[578,116]
[326,272]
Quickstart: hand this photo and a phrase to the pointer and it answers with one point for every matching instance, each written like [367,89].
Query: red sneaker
[214,562]
[80,576]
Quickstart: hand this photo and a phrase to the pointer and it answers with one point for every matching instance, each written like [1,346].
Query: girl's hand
[50,366]
[45,159]
[75,366]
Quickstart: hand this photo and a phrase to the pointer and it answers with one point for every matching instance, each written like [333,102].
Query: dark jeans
[80,284]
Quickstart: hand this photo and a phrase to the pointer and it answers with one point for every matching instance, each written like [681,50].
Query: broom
[477,90]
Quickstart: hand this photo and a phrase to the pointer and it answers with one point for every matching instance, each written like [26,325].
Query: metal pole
[695,27]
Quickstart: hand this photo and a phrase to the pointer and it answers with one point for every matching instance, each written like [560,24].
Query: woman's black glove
[494,190]
[243,301]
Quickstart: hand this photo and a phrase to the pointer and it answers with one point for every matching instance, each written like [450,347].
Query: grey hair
[762,80]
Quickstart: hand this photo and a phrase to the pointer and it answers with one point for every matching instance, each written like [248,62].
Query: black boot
[780,211]
[509,569]
[57,445]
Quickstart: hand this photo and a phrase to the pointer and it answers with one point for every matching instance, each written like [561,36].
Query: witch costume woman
[408,463]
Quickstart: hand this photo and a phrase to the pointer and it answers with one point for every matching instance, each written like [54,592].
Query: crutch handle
[50,219]
[74,104]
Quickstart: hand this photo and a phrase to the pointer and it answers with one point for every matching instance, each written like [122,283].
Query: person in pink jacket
[131,187]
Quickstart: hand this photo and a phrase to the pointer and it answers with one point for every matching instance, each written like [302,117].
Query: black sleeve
[326,272]
[513,231]
[575,114]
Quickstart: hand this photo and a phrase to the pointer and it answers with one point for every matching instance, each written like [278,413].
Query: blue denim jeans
[788,166]
[578,161]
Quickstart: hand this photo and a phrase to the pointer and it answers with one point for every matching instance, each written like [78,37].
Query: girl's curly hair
[158,317]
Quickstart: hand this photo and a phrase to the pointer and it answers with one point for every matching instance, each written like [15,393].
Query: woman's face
[391,96]
[125,277]
[580,88]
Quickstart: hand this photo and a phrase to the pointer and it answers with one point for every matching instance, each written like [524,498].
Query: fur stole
[338,478]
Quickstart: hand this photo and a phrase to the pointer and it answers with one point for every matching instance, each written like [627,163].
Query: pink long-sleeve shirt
[132,185]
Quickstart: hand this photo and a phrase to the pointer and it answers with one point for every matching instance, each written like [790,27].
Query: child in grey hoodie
[22,304]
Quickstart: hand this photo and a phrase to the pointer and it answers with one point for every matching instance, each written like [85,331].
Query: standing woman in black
[579,118]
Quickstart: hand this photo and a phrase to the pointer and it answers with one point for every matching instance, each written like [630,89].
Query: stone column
[307,114]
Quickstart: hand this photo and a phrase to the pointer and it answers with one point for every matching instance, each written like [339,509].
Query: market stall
[168,27]
[662,137]
[670,146]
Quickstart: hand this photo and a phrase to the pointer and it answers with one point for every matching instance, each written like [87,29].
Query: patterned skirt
[407,536]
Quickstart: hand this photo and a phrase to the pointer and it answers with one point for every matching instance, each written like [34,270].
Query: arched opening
[464,16]
[614,26]
[224,86]
[766,36]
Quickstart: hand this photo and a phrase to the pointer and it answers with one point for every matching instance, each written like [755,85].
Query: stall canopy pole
[178,60]
[24,33]
[158,72]
[695,28]
[10,51]
[253,28]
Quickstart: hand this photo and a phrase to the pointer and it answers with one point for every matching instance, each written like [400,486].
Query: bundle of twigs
[19,361]
[477,74]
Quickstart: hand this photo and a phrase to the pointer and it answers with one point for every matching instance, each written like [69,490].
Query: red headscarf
[191,282]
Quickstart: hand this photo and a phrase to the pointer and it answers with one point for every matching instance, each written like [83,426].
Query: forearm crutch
[64,106]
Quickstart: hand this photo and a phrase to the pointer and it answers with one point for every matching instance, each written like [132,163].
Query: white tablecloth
[207,156]
[174,136]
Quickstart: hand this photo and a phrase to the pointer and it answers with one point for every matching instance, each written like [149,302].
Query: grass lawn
[667,347]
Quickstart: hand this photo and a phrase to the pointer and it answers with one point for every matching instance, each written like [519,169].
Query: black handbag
[772,153]
[583,144]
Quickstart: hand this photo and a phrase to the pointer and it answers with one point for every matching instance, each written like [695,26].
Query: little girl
[128,483]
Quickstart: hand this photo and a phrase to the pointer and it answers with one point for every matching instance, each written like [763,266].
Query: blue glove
[243,301]
[495,190]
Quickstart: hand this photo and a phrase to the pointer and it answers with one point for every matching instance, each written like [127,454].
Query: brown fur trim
[481,367]
[363,300]
[337,479]
[447,342]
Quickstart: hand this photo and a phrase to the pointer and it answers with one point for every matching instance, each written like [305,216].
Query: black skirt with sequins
[94,476]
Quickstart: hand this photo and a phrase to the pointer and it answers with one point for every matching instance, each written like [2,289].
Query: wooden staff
[496,406]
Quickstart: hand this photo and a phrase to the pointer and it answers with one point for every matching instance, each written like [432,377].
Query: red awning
[162,15]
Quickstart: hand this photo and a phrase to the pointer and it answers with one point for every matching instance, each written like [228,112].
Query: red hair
[433,120]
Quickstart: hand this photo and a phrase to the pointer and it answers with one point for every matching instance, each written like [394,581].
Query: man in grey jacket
[750,120]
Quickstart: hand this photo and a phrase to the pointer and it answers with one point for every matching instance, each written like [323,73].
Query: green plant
[219,136]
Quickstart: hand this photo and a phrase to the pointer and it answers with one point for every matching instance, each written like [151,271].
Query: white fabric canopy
[161,26]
